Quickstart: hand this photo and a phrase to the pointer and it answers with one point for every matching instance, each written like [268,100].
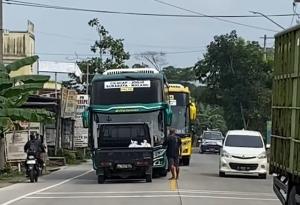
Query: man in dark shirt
[173,144]
[35,146]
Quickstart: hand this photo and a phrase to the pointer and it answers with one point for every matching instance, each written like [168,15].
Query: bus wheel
[186,161]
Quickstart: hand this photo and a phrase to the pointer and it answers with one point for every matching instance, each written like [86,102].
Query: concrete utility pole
[265,37]
[87,78]
[1,29]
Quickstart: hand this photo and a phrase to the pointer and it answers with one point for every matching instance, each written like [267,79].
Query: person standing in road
[173,144]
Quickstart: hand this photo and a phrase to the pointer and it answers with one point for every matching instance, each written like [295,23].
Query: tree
[112,49]
[14,92]
[210,117]
[156,59]
[238,79]
[112,55]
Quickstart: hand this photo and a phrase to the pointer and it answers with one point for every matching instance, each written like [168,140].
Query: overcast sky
[65,32]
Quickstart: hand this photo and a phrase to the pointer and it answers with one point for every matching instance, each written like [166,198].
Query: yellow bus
[184,113]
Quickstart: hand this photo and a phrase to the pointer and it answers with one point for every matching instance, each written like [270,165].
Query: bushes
[72,156]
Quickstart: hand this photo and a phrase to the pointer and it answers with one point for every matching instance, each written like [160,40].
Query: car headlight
[158,153]
[226,154]
[263,155]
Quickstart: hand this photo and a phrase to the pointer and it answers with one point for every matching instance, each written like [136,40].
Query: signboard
[127,84]
[15,142]
[82,103]
[81,137]
[68,103]
[80,133]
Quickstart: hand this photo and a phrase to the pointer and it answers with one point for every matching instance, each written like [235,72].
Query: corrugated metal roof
[59,67]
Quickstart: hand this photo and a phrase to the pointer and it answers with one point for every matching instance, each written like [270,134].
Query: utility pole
[265,37]
[87,78]
[265,47]
[1,29]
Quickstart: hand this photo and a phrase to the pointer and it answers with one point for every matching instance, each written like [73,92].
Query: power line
[199,15]
[217,18]
[126,44]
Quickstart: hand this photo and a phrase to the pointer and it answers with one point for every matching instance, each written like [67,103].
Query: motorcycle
[33,168]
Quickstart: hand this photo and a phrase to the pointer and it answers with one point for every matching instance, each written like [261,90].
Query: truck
[134,95]
[184,113]
[114,156]
[285,138]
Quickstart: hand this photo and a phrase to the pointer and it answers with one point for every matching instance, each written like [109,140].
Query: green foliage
[107,46]
[70,156]
[211,117]
[238,79]
[14,92]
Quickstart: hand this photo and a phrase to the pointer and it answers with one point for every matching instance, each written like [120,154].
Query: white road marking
[44,189]
[151,196]
[161,191]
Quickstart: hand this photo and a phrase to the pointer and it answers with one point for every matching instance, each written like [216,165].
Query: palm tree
[211,117]
[14,92]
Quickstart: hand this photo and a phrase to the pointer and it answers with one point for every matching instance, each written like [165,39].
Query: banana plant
[14,92]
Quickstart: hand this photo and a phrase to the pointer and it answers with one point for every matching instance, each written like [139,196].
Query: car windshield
[244,141]
[212,136]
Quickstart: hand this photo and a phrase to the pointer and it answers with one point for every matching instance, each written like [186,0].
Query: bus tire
[186,161]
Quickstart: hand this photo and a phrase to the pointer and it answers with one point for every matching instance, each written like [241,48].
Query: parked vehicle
[211,141]
[243,152]
[33,168]
[120,154]
[285,144]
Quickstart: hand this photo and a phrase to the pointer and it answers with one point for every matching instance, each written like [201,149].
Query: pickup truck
[114,157]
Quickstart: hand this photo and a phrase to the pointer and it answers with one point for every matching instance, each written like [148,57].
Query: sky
[60,34]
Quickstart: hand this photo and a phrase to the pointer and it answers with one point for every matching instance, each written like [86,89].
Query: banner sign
[128,84]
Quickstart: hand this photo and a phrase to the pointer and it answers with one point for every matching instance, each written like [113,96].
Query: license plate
[31,162]
[124,166]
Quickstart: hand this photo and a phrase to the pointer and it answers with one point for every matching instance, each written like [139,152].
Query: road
[198,184]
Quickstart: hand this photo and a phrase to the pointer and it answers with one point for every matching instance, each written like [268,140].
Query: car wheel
[292,197]
[149,178]
[221,174]
[101,179]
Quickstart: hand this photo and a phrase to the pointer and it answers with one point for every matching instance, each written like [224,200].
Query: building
[18,45]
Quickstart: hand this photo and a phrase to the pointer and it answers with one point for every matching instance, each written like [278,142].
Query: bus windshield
[127,91]
[180,119]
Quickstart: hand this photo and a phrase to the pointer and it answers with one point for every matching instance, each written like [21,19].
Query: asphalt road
[198,184]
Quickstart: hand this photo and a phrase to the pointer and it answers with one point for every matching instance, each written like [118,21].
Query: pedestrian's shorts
[173,161]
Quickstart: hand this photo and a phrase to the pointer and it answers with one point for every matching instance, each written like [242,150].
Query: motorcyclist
[36,148]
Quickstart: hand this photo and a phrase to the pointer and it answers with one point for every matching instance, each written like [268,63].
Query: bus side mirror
[168,114]
[193,111]
[85,118]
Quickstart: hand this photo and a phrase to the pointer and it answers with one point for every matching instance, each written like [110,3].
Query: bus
[184,113]
[135,95]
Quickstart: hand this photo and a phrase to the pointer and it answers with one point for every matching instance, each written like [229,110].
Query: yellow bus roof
[178,88]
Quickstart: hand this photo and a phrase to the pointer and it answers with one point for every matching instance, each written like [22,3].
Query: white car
[243,152]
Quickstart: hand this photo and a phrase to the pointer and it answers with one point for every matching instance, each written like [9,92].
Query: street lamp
[255,12]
